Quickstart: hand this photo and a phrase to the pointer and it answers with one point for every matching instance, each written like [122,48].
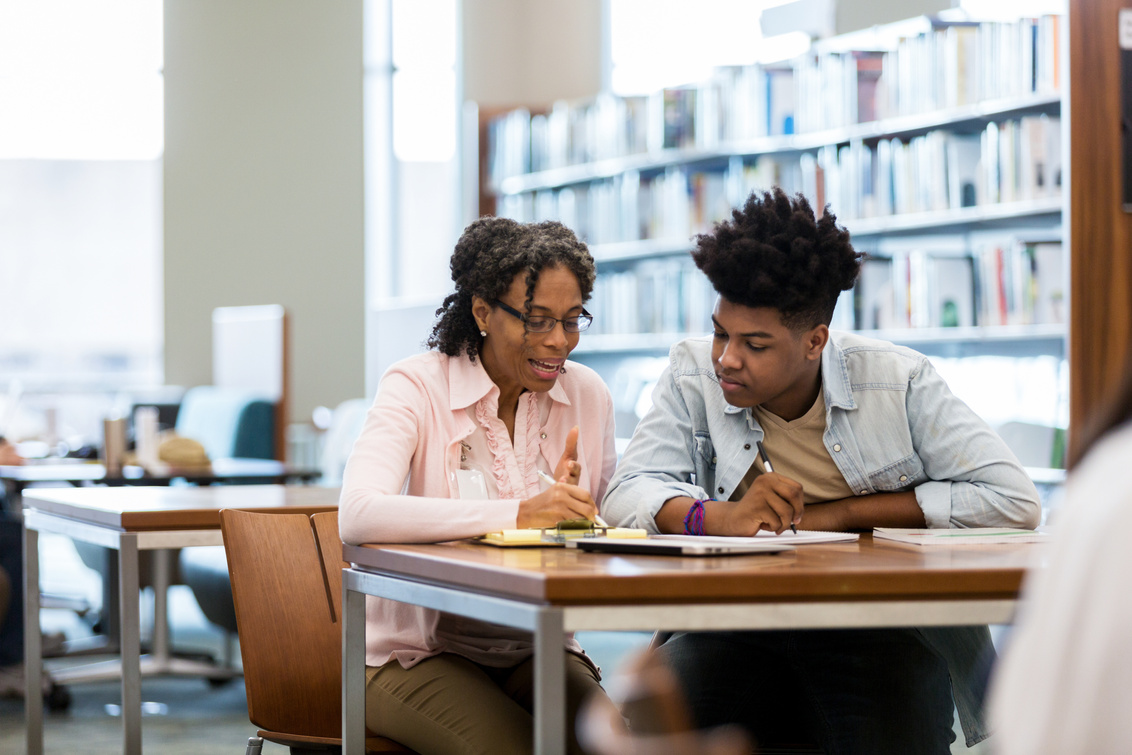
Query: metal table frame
[548,623]
[132,665]
[130,520]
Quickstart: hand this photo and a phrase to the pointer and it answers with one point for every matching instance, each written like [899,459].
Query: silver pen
[767,467]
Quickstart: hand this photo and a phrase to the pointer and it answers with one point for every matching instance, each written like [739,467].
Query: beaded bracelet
[694,519]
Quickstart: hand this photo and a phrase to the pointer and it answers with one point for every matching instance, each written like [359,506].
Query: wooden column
[1100,330]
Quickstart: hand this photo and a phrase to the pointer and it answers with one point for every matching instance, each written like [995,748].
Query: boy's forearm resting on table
[863,512]
[854,513]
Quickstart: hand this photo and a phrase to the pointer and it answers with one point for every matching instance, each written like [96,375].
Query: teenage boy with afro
[861,433]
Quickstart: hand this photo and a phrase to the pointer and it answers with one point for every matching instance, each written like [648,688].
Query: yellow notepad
[552,536]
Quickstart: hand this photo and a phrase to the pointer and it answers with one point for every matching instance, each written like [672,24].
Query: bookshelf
[937,144]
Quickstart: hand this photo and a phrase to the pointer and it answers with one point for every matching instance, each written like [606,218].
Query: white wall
[531,52]
[263,183]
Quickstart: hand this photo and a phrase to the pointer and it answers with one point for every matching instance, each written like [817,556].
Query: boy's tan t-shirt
[796,451]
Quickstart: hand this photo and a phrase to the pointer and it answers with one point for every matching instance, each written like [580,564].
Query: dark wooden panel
[1100,231]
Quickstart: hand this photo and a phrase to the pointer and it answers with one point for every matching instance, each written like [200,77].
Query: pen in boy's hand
[770,470]
[550,481]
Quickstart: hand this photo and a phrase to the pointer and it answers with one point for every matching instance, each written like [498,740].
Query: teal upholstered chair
[228,422]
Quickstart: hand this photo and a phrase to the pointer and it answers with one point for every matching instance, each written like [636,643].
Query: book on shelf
[558,136]
[672,118]
[780,101]
[943,291]
[874,295]
[1022,283]
[509,145]
[835,90]
[1047,283]
[962,155]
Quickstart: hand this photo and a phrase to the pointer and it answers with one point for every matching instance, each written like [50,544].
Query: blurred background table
[131,520]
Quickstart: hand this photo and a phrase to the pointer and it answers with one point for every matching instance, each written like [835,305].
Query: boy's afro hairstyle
[773,253]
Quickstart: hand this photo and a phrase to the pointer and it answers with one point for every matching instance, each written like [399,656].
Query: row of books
[675,204]
[951,65]
[947,65]
[1009,161]
[657,296]
[1022,283]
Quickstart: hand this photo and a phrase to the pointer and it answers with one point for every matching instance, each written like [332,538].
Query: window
[412,172]
[659,43]
[80,197]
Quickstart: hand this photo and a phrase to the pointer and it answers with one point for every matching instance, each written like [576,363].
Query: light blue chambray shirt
[892,425]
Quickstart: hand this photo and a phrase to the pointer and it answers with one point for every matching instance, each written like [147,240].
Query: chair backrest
[345,427]
[287,610]
[228,422]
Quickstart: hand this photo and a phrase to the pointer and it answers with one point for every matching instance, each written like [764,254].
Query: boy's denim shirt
[892,424]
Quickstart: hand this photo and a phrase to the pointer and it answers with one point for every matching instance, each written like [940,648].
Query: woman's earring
[483,333]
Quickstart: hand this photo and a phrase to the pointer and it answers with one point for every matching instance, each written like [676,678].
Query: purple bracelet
[694,519]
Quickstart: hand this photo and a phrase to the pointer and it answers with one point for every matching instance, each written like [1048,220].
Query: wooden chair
[286,572]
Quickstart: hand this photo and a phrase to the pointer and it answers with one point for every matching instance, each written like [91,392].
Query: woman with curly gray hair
[456,445]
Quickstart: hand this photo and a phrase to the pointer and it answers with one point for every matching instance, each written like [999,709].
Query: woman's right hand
[557,503]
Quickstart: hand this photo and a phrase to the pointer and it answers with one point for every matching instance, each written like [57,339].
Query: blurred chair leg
[255,746]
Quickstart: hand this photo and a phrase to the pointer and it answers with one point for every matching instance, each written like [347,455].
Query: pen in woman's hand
[550,481]
[770,470]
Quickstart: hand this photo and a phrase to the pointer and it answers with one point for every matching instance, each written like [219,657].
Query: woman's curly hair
[773,253]
[488,256]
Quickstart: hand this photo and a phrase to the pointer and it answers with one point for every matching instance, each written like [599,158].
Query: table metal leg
[131,642]
[550,684]
[162,568]
[161,660]
[353,669]
[33,647]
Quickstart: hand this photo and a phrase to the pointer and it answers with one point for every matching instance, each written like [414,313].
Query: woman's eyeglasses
[544,324]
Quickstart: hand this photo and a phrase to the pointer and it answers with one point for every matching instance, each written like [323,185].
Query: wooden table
[549,591]
[130,520]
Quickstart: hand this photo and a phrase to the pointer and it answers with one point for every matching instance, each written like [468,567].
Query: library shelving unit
[937,143]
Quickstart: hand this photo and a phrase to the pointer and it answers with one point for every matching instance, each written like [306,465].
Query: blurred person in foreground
[1064,684]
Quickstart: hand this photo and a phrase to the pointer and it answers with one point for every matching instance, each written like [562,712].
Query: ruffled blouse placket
[514,466]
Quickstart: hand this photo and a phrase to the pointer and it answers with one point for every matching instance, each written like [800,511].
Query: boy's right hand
[773,502]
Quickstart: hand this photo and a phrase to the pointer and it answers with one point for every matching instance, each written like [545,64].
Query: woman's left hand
[569,470]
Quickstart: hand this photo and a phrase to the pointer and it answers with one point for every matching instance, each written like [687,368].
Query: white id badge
[471,484]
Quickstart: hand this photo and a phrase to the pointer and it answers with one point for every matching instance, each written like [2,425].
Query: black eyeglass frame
[581,322]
